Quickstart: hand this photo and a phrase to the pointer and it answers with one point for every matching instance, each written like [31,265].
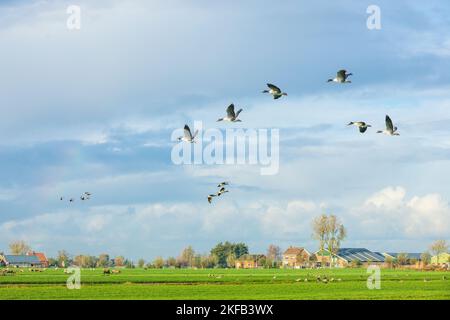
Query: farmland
[226,284]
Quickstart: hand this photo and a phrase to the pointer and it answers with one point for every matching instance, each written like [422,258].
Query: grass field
[226,284]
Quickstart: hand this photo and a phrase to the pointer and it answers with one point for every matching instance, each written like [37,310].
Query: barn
[21,261]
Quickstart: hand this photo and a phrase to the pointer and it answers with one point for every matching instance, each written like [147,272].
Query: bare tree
[320,232]
[330,232]
[19,247]
[426,258]
[335,234]
[141,263]
[119,261]
[158,262]
[438,247]
[103,260]
[186,257]
[63,258]
[402,259]
[273,254]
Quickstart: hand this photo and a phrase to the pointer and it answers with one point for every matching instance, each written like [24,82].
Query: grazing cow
[115,271]
[106,271]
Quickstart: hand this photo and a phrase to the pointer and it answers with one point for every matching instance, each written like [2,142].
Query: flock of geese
[221,191]
[83,197]
[232,116]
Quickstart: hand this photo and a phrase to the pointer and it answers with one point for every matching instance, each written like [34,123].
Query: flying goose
[361,125]
[61,198]
[274,91]
[231,115]
[71,200]
[341,77]
[220,185]
[210,197]
[390,129]
[222,191]
[188,137]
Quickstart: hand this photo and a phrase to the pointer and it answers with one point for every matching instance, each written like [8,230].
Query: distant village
[327,230]
[236,255]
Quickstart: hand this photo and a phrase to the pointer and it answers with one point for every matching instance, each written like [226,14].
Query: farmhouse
[346,256]
[250,261]
[296,257]
[21,261]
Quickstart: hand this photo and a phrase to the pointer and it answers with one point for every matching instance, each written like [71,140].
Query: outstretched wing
[230,111]
[274,88]
[362,129]
[237,113]
[187,132]
[389,125]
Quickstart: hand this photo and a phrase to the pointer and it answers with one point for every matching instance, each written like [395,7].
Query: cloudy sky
[94,110]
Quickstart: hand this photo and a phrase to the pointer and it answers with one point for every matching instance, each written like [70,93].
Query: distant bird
[88,193]
[274,91]
[61,198]
[71,200]
[220,185]
[210,197]
[83,198]
[188,137]
[222,191]
[390,129]
[361,125]
[341,77]
[231,115]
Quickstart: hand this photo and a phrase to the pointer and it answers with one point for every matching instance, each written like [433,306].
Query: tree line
[327,230]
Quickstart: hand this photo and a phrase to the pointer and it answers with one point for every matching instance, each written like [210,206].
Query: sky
[94,110]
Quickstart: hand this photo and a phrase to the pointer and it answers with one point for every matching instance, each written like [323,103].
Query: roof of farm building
[360,254]
[12,259]
[294,250]
[409,255]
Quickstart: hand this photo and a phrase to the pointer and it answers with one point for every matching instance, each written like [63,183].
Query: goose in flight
[231,115]
[274,91]
[220,185]
[361,125]
[222,191]
[341,77]
[390,129]
[188,137]
[210,197]
[61,198]
[71,200]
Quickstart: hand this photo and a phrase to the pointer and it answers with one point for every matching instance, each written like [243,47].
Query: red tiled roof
[294,250]
[41,256]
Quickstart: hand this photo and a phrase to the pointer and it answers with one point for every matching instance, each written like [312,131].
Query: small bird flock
[221,191]
[342,77]
[85,196]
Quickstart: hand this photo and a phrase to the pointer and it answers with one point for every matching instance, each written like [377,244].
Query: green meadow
[227,284]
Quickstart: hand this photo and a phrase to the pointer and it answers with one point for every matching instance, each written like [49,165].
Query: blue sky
[94,109]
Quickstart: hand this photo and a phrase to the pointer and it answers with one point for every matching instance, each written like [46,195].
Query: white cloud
[389,213]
